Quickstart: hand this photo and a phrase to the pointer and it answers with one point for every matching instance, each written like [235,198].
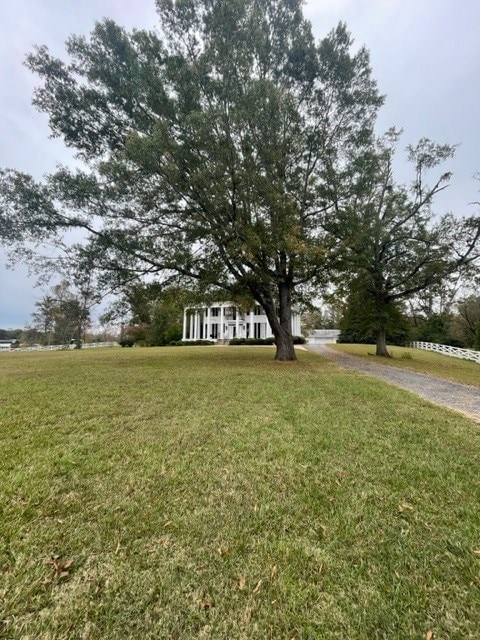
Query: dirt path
[460,397]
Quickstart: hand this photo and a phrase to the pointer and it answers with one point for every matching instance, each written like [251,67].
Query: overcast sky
[425,56]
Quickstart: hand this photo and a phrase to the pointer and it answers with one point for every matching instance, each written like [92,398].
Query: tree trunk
[281,324]
[382,343]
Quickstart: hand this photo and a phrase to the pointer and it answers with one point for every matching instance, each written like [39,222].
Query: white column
[184,335]
[209,322]
[222,322]
[251,318]
[190,333]
[237,321]
[195,326]
[298,328]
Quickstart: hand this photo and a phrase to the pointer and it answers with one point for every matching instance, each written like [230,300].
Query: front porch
[222,322]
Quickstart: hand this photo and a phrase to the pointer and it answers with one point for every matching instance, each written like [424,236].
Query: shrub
[252,341]
[126,341]
[299,340]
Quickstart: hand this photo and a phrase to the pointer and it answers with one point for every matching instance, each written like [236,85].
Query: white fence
[465,354]
[60,347]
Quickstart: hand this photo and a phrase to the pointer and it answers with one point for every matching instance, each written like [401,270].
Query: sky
[425,56]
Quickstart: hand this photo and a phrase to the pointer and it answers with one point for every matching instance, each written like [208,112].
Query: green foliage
[126,341]
[156,312]
[264,341]
[194,343]
[11,334]
[437,329]
[477,338]
[364,315]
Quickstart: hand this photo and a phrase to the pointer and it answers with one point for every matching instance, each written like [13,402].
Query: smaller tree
[388,236]
[155,312]
[363,317]
[437,329]
[62,316]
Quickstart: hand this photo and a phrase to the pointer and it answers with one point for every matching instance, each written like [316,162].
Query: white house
[224,321]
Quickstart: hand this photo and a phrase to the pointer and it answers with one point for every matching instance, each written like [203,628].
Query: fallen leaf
[241,583]
[273,571]
[428,635]
[476,552]
[168,523]
[246,614]
[405,505]
[206,604]
[201,567]
[60,568]
[257,588]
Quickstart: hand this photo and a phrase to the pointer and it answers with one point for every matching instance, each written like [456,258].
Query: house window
[214,332]
[231,313]
[257,329]
[257,311]
[215,312]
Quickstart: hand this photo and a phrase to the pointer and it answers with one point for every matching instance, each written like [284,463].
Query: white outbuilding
[224,321]
[323,336]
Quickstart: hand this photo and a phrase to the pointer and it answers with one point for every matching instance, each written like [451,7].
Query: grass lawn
[185,493]
[435,364]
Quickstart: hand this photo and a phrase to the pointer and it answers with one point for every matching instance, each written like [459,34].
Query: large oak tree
[209,147]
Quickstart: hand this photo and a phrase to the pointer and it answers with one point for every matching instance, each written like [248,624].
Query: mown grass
[214,493]
[435,364]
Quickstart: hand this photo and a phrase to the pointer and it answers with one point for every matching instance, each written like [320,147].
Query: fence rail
[465,354]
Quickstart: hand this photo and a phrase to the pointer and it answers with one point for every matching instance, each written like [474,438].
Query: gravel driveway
[460,397]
